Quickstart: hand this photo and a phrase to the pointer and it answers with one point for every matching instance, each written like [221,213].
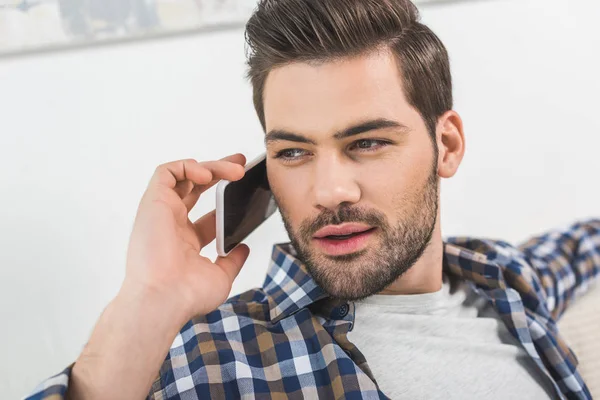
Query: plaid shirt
[289,339]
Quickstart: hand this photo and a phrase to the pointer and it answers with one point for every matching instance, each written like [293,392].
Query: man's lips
[341,230]
[338,240]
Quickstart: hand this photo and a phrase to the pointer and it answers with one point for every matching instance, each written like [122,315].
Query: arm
[167,283]
[567,261]
[129,343]
[127,347]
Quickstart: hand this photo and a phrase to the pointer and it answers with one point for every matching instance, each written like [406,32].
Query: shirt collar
[290,287]
[288,284]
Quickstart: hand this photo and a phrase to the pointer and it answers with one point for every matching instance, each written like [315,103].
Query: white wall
[81,132]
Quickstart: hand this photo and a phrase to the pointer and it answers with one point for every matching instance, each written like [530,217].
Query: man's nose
[335,183]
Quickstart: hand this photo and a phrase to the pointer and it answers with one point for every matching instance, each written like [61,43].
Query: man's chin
[348,277]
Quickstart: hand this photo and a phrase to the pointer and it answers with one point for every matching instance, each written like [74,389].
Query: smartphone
[242,206]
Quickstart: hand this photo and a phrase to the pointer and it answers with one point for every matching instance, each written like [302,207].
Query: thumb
[233,263]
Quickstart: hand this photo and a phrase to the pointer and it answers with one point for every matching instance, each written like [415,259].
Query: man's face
[353,170]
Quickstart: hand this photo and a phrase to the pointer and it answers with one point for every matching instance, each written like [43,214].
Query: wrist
[166,309]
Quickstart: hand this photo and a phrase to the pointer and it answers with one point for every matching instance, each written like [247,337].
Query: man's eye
[290,154]
[368,144]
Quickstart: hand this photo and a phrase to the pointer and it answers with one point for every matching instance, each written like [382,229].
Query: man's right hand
[167,282]
[164,250]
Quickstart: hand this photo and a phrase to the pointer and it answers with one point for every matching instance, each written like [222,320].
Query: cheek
[393,182]
[290,193]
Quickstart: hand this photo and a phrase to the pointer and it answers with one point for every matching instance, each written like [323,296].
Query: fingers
[236,158]
[233,263]
[206,227]
[222,170]
[169,174]
[219,170]
[191,197]
[200,173]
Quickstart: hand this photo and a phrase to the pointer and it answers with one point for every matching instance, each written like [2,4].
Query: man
[367,301]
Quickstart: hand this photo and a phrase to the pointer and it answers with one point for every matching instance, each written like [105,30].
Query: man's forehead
[330,95]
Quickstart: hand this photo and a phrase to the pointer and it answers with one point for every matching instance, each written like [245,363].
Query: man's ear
[451,143]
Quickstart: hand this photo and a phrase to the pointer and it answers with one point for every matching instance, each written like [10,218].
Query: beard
[358,275]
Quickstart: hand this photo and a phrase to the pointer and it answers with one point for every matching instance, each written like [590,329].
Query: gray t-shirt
[444,346]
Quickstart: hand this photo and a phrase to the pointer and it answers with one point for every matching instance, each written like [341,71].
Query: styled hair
[281,32]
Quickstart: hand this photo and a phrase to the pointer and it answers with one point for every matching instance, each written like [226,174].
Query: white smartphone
[242,206]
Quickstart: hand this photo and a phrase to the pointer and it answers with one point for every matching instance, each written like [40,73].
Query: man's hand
[167,282]
[163,254]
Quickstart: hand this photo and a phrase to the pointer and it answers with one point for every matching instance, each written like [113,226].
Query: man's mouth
[348,238]
[343,230]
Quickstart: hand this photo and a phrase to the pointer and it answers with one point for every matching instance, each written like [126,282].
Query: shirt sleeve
[54,388]
[567,261]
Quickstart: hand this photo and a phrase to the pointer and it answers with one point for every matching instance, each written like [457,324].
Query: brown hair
[285,31]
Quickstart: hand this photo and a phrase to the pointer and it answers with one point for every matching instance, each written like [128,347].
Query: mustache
[341,215]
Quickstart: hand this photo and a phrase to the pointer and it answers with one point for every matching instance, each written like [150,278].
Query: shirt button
[343,310]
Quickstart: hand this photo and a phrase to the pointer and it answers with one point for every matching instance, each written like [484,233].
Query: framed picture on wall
[29,25]
[38,24]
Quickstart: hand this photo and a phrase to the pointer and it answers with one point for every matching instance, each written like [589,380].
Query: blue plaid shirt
[289,339]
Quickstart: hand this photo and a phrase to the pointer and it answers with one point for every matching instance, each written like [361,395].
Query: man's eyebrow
[280,134]
[363,127]
[372,125]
